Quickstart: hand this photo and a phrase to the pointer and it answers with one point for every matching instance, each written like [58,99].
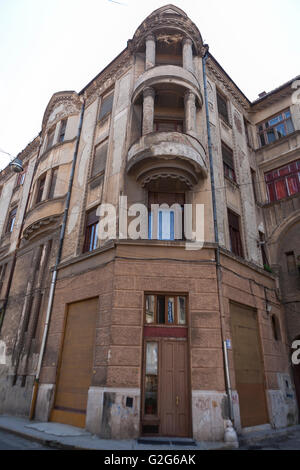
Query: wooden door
[76,364]
[249,370]
[174,397]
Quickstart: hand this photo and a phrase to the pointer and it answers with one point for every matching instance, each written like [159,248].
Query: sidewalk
[61,436]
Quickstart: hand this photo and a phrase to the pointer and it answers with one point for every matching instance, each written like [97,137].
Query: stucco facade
[152,126]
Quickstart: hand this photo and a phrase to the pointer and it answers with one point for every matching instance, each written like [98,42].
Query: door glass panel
[151,359]
[181,310]
[151,395]
[171,307]
[151,382]
[150,299]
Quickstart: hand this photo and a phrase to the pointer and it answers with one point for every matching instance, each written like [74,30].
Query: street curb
[51,443]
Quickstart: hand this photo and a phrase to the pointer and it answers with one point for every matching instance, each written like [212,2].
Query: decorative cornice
[107,78]
[221,77]
[31,231]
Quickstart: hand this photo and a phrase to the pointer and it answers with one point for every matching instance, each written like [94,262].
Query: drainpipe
[55,270]
[217,250]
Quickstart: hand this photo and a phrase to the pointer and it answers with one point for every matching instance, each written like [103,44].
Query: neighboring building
[136,336]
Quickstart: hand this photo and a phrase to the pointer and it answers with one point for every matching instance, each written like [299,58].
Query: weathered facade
[128,337]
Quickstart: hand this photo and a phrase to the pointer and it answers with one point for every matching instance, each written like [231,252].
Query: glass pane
[287,114]
[151,358]
[171,307]
[150,299]
[181,310]
[160,309]
[275,120]
[151,388]
[262,140]
[281,189]
[292,185]
[280,131]
[290,127]
[271,136]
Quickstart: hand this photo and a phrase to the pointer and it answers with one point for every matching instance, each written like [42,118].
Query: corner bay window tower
[136,332]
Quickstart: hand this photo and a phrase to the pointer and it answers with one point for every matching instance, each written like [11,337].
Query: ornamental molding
[32,230]
[221,78]
[164,19]
[107,78]
[71,101]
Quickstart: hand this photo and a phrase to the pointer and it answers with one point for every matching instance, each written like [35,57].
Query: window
[262,240]
[21,177]
[53,180]
[11,220]
[100,156]
[171,125]
[276,328]
[275,128]
[235,234]
[168,52]
[166,222]
[106,106]
[284,182]
[62,130]
[222,107]
[166,310]
[40,189]
[50,138]
[228,164]
[291,262]
[91,227]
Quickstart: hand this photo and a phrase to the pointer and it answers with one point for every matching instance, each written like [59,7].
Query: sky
[53,45]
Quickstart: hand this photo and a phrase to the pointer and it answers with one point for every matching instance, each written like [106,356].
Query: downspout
[217,250]
[55,269]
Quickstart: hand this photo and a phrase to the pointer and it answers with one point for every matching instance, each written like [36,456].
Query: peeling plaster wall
[209,410]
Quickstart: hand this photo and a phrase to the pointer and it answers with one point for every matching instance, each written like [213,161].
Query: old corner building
[131,337]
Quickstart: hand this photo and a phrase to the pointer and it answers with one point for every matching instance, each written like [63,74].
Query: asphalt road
[11,442]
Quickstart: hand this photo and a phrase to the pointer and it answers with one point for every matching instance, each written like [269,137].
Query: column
[150,51]
[148,110]
[187,54]
[190,112]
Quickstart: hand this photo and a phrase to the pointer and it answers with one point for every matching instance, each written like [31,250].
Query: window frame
[53,181]
[222,97]
[21,177]
[107,96]
[50,141]
[237,232]
[62,130]
[11,220]
[282,174]
[166,323]
[90,231]
[39,193]
[264,128]
[228,167]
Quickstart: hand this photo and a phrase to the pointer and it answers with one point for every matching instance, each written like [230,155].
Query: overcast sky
[52,45]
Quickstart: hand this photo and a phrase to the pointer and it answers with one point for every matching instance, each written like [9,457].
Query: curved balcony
[170,74]
[42,215]
[167,155]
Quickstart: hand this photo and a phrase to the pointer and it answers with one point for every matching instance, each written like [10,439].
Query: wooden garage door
[76,365]
[249,370]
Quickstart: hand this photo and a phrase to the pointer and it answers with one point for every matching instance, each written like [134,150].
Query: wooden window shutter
[100,156]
